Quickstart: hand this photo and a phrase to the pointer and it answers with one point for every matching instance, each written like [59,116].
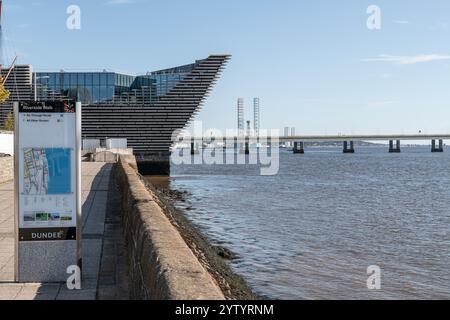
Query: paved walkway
[104,256]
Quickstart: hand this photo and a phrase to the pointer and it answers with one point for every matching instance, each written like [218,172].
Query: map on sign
[46,171]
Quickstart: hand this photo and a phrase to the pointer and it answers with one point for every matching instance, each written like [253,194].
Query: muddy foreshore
[213,258]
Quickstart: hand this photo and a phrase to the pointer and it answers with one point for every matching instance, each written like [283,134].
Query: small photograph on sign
[54,217]
[47,171]
[66,218]
[29,217]
[46,219]
[41,217]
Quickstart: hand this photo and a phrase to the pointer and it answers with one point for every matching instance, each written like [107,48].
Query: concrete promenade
[105,274]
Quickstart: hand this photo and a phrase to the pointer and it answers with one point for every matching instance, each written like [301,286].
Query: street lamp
[35,85]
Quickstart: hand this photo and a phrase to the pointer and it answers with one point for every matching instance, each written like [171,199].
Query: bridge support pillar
[349,147]
[194,149]
[299,147]
[395,149]
[247,146]
[440,148]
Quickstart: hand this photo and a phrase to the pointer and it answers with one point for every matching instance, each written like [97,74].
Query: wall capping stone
[162,266]
[6,169]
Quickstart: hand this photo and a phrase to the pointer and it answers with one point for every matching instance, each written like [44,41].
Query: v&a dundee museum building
[144,109]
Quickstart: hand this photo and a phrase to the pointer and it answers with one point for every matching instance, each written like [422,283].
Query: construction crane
[1,12]
[1,46]
[9,70]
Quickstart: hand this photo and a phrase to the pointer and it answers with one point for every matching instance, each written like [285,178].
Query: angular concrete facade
[149,126]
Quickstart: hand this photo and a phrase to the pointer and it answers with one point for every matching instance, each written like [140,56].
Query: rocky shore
[214,258]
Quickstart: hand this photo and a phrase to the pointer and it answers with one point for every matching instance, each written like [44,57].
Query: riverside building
[144,109]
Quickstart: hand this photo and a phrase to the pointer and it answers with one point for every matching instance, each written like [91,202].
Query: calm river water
[311,231]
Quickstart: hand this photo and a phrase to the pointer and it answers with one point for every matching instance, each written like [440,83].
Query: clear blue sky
[314,64]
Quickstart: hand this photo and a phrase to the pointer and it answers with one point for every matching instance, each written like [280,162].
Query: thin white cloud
[122,2]
[10,7]
[383,103]
[401,21]
[381,76]
[386,76]
[439,26]
[406,60]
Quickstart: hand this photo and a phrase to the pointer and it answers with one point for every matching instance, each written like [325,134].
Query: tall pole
[1,12]
[35,87]
[1,34]
[240,115]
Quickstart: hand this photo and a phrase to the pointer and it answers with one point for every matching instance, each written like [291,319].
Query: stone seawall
[162,266]
[6,169]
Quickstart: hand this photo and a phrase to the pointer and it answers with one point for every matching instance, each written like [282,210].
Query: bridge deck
[331,138]
[369,137]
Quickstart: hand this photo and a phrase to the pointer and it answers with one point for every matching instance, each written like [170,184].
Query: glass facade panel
[103,93]
[88,79]
[66,81]
[43,79]
[95,93]
[94,87]
[103,79]
[51,79]
[111,80]
[80,81]
[110,92]
[95,79]
[73,79]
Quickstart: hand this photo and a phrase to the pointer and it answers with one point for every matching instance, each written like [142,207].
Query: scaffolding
[240,116]
[256,116]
